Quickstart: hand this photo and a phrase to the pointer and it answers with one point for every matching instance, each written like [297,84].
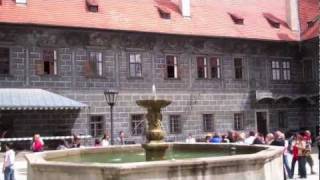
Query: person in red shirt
[308,140]
[37,144]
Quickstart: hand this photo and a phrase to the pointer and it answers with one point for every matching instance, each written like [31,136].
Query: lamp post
[111,98]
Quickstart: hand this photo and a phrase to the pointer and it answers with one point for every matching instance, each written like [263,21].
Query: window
[283,121]
[280,70]
[202,67]
[137,125]
[205,67]
[4,61]
[164,12]
[175,124]
[286,70]
[275,70]
[94,66]
[207,122]
[96,125]
[275,23]
[48,65]
[307,70]
[238,121]
[238,68]
[172,66]
[237,19]
[135,66]
[215,68]
[92,5]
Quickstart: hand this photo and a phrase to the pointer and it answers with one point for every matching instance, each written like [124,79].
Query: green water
[128,157]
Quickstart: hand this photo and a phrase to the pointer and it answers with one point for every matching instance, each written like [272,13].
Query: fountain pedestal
[155,148]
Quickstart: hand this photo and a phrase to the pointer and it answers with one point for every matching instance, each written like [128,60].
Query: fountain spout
[154,92]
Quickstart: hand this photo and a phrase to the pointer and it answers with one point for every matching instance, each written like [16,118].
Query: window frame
[205,67]
[242,68]
[103,125]
[135,63]
[283,69]
[209,66]
[238,125]
[142,123]
[176,67]
[55,62]
[172,129]
[96,74]
[306,78]
[204,122]
[9,63]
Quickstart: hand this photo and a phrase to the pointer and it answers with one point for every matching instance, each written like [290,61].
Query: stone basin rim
[270,152]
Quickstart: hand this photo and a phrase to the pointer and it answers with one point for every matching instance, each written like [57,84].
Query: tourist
[62,145]
[120,139]
[224,139]
[8,163]
[308,140]
[231,136]
[97,143]
[279,140]
[190,139]
[318,144]
[208,137]
[269,138]
[37,144]
[259,139]
[301,146]
[294,151]
[75,143]
[249,140]
[105,141]
[240,137]
[216,138]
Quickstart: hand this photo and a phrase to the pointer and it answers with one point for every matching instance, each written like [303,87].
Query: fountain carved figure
[155,148]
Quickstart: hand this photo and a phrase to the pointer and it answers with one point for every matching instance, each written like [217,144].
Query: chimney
[21,1]
[293,15]
[185,8]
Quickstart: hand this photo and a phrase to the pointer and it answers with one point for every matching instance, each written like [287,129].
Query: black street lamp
[111,98]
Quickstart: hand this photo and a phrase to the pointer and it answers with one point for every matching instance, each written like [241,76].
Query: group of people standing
[298,145]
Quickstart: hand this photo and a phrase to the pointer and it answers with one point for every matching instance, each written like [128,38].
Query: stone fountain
[155,149]
[247,163]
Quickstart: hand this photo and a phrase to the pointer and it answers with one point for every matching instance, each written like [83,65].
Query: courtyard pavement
[21,167]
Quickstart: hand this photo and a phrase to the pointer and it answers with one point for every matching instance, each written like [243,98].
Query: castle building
[243,65]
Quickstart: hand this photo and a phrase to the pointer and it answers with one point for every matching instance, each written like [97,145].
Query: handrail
[43,138]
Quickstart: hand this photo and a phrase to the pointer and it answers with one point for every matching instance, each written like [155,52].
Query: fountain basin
[261,162]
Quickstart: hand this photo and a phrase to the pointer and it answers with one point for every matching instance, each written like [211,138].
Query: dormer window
[273,22]
[237,19]
[92,5]
[164,13]
[310,24]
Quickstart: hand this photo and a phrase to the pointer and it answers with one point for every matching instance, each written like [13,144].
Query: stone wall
[191,96]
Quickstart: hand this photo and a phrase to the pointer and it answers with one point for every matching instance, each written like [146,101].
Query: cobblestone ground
[21,168]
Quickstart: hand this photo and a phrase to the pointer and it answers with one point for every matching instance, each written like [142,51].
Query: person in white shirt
[105,140]
[249,140]
[8,163]
[190,139]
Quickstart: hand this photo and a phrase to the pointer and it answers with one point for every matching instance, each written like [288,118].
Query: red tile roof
[208,17]
[309,11]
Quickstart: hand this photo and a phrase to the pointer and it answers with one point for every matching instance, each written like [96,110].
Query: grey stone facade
[191,97]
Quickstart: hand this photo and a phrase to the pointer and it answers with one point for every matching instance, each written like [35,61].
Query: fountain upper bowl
[153,103]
